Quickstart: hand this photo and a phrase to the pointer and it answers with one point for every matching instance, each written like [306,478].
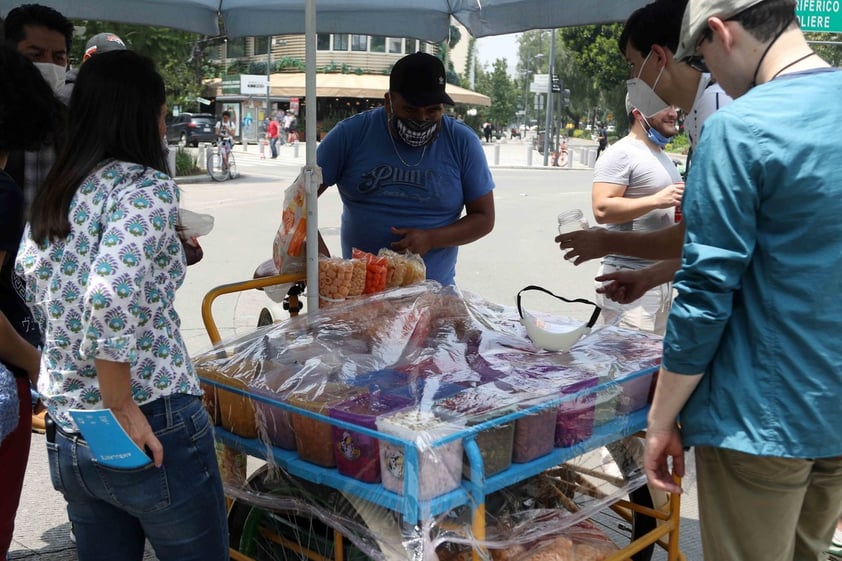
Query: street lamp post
[269,77]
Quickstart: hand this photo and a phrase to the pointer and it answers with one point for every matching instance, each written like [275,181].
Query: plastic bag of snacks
[288,247]
[357,277]
[335,278]
[395,267]
[376,269]
[403,269]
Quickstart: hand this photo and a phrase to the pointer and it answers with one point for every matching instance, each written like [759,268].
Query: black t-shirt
[11,285]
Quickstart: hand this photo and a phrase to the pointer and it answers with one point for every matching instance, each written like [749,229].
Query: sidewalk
[504,153]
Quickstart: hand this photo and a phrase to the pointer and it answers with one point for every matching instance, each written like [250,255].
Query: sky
[490,49]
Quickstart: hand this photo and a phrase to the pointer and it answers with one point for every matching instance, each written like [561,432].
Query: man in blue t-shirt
[405,173]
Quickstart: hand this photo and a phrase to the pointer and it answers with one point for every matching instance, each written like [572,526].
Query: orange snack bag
[375,271]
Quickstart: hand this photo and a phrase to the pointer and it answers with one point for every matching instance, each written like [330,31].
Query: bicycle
[221,162]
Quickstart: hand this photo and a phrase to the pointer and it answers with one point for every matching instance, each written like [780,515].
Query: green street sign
[820,15]
[231,85]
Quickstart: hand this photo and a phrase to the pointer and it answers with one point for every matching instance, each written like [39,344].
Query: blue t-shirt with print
[384,183]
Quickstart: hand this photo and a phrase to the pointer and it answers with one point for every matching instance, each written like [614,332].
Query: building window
[411,46]
[378,44]
[359,42]
[340,42]
[323,42]
[395,45]
[236,48]
[261,45]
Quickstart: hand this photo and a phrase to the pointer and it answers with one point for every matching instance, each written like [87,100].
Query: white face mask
[53,74]
[555,337]
[642,96]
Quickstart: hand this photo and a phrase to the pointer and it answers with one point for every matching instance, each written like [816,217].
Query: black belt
[50,428]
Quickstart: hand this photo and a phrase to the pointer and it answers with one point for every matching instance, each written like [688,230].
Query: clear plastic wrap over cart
[421,423]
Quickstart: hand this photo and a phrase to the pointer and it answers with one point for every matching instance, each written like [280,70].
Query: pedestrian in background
[636,188]
[103,245]
[752,363]
[272,133]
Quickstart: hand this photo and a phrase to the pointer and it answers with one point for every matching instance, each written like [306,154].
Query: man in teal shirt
[752,359]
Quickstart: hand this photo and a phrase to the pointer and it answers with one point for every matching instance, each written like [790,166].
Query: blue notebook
[109,443]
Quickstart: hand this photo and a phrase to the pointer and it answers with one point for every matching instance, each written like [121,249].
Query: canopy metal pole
[310,169]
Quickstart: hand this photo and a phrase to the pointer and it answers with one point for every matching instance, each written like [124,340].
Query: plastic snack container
[276,421]
[439,468]
[358,455]
[575,419]
[635,393]
[314,437]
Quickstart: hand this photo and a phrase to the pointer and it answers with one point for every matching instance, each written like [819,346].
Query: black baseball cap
[420,79]
[102,43]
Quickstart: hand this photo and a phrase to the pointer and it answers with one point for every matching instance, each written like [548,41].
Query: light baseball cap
[696,16]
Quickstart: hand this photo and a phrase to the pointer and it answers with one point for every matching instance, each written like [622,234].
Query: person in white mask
[42,35]
[648,42]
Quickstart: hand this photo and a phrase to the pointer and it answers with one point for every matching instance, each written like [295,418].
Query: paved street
[247,210]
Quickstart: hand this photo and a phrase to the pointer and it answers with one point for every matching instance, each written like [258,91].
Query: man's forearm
[658,244]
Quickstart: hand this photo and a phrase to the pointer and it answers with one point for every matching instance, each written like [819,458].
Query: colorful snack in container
[313,436]
[358,455]
[275,421]
[475,406]
[575,419]
[439,468]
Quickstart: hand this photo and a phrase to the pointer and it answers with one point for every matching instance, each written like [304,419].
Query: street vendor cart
[420,423]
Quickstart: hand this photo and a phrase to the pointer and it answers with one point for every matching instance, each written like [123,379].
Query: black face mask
[414,133]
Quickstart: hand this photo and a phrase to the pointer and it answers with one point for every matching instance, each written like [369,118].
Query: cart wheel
[296,529]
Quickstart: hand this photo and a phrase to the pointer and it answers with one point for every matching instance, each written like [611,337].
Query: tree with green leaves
[828,46]
[177,54]
[503,92]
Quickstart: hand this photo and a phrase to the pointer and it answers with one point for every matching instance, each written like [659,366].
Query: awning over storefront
[287,85]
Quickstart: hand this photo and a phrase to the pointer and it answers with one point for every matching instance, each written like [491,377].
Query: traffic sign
[820,15]
[203,101]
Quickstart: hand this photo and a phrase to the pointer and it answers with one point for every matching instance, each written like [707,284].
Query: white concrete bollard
[591,158]
[529,155]
[496,154]
[171,159]
[295,149]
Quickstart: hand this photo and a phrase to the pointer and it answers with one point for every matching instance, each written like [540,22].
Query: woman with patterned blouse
[102,261]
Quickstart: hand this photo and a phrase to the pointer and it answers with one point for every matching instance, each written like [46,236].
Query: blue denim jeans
[179,507]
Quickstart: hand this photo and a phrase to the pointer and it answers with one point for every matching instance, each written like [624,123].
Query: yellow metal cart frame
[664,535]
